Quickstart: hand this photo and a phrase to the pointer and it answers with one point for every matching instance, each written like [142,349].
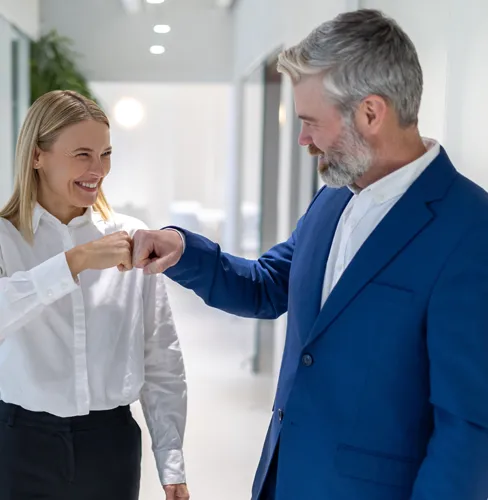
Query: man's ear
[370,115]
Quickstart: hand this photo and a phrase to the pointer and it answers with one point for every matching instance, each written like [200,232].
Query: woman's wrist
[76,258]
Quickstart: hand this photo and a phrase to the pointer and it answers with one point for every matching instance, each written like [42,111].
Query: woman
[79,340]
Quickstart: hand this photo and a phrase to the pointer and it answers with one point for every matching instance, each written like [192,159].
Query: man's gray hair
[360,53]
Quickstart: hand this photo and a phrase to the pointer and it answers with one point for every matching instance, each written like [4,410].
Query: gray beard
[340,175]
[347,162]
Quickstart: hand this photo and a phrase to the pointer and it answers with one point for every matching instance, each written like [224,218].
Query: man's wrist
[182,236]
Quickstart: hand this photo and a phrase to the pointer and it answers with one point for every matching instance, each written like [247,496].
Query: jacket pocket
[376,467]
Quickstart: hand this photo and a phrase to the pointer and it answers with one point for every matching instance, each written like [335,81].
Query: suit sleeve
[456,464]
[248,288]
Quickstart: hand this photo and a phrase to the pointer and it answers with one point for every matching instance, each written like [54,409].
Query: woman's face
[72,171]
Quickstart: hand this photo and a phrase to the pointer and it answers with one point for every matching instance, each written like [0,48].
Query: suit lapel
[314,251]
[410,215]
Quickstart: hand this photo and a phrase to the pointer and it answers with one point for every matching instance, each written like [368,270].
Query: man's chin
[322,167]
[331,178]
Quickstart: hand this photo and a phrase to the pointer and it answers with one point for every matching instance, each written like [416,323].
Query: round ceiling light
[157,49]
[128,112]
[162,28]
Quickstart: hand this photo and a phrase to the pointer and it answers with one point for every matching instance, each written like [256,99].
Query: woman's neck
[63,212]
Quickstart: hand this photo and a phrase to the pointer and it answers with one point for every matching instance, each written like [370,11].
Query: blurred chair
[185,214]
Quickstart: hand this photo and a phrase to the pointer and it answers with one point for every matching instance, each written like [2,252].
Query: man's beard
[345,161]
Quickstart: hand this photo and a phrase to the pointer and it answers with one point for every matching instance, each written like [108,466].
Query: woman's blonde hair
[45,120]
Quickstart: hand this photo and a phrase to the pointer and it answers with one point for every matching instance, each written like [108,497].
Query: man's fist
[156,251]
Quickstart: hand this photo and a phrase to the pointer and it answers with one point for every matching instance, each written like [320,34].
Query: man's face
[344,155]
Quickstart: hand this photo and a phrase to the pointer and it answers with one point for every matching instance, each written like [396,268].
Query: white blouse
[67,348]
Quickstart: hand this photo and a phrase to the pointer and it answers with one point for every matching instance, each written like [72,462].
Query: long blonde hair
[45,120]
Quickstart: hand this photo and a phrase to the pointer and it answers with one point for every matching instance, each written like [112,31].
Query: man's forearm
[243,287]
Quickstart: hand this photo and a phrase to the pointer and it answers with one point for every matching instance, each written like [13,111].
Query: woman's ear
[37,158]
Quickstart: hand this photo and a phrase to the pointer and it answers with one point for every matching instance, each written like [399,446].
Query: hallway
[228,407]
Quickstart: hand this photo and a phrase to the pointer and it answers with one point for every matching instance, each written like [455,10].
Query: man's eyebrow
[306,118]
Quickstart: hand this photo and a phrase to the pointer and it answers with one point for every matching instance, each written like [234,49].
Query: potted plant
[54,67]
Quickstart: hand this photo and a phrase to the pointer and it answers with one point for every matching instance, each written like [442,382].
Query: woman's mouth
[90,187]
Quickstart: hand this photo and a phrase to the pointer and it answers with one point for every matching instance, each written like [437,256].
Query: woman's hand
[114,250]
[176,492]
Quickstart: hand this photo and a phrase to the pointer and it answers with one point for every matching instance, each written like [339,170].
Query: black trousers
[92,457]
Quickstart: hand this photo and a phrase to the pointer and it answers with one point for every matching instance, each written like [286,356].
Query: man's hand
[156,251]
[176,491]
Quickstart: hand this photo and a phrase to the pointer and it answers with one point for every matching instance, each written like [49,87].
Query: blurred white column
[286,191]
[231,233]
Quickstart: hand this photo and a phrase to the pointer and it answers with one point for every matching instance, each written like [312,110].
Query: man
[383,390]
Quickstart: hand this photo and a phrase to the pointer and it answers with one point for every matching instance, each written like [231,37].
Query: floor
[228,409]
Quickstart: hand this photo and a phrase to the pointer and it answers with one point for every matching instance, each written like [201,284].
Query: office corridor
[228,407]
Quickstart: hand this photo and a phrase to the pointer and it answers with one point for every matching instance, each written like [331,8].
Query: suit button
[307,360]
[281,414]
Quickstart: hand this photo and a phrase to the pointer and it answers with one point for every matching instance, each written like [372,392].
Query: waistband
[14,415]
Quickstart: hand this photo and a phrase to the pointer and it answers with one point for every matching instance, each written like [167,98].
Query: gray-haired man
[383,390]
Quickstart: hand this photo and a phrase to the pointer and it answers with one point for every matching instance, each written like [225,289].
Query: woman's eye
[82,154]
[107,154]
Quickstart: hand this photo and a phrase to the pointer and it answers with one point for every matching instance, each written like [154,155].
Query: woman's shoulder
[7,228]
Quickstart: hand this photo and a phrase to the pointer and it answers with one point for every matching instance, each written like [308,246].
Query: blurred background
[204,136]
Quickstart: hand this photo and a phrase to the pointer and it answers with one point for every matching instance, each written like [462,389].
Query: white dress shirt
[365,211]
[67,348]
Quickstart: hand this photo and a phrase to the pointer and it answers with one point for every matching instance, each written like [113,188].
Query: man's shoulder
[465,185]
[468,199]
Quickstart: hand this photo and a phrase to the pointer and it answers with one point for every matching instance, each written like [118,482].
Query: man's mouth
[314,150]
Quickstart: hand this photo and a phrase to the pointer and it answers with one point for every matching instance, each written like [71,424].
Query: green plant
[54,67]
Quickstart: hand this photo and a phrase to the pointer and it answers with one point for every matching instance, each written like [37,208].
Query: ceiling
[114,36]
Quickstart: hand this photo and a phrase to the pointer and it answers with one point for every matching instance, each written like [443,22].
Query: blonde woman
[79,340]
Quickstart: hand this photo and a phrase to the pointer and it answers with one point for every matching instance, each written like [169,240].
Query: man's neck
[389,159]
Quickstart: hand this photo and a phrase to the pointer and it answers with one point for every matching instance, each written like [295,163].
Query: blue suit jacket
[383,393]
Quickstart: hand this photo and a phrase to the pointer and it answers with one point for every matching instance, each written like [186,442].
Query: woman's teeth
[88,185]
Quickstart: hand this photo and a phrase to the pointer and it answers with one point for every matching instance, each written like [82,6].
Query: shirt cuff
[53,279]
[171,466]
[182,236]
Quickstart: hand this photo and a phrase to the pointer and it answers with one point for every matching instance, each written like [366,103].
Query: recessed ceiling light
[154,1]
[162,28]
[157,49]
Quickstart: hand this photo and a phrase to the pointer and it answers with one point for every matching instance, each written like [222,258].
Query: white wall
[23,14]
[177,153]
[466,132]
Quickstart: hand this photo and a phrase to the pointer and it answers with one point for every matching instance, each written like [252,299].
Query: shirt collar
[397,183]
[90,216]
